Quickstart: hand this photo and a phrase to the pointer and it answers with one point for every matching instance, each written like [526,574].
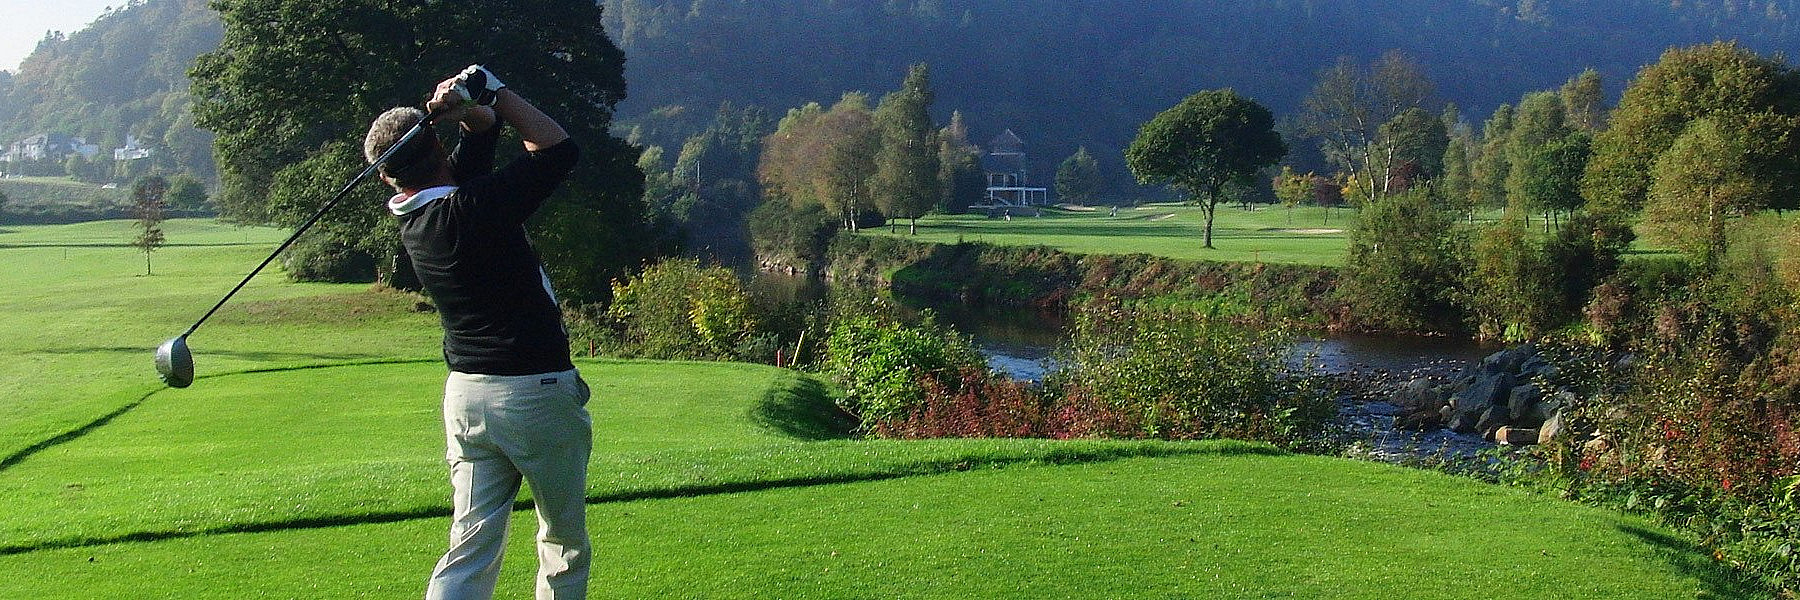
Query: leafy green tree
[187,193]
[1411,147]
[360,57]
[1546,158]
[1721,81]
[1511,292]
[3,201]
[1404,268]
[960,178]
[792,156]
[847,166]
[1585,99]
[1458,180]
[147,200]
[1490,167]
[1078,178]
[1208,141]
[906,164]
[1701,182]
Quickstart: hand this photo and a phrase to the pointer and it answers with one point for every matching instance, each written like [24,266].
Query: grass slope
[306,462]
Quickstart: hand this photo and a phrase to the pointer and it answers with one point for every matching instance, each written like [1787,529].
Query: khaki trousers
[499,431]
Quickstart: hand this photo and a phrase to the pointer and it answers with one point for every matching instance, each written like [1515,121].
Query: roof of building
[1007,141]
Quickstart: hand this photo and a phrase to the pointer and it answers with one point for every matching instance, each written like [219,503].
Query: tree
[906,164]
[1210,140]
[1403,268]
[3,201]
[1488,170]
[1458,180]
[147,200]
[360,57]
[1721,81]
[186,193]
[1078,177]
[1700,182]
[1545,157]
[1411,147]
[1584,98]
[961,181]
[847,166]
[1348,106]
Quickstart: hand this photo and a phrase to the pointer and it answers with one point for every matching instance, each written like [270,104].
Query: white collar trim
[401,204]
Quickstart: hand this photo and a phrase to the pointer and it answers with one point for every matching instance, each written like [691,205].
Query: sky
[25,22]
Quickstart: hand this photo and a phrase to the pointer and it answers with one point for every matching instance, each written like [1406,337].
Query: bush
[1511,291]
[879,362]
[316,258]
[1177,374]
[675,309]
[793,237]
[1404,266]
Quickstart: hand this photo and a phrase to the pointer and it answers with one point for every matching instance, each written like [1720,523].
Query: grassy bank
[1306,235]
[307,462]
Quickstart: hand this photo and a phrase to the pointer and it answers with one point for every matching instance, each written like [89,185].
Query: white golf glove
[479,85]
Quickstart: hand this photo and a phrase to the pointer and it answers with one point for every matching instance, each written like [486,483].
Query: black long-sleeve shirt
[469,248]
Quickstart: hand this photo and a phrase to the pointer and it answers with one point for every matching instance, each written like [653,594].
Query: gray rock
[1468,406]
[1418,395]
[1521,400]
[1491,419]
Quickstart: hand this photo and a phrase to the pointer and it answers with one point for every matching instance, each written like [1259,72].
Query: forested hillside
[1060,73]
[1070,73]
[125,75]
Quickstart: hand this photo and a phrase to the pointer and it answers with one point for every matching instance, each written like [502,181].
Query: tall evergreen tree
[961,182]
[906,165]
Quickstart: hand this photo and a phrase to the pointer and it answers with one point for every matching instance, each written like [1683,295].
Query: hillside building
[1009,174]
[48,145]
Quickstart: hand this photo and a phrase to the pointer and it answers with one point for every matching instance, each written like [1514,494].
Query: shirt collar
[401,204]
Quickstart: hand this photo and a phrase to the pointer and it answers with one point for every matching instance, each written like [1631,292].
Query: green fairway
[1304,235]
[307,462]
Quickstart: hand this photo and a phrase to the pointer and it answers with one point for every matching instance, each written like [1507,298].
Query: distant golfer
[514,406]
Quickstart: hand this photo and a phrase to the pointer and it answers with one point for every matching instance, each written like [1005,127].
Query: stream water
[1021,343]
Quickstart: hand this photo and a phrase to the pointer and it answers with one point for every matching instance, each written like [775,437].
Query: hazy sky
[25,21]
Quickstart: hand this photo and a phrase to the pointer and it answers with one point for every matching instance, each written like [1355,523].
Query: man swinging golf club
[514,406]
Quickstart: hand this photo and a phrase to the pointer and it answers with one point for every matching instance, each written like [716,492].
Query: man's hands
[452,99]
[478,84]
[477,99]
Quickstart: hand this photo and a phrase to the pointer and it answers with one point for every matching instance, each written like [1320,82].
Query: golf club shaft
[420,126]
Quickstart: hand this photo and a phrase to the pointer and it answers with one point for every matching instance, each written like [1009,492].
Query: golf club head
[174,363]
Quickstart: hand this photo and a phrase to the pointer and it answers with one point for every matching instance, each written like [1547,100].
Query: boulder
[1468,406]
[1516,436]
[1491,419]
[1418,395]
[1521,400]
[1552,429]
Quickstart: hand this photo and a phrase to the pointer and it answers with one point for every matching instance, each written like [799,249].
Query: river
[1021,343]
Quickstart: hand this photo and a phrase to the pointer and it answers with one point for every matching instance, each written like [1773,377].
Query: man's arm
[538,129]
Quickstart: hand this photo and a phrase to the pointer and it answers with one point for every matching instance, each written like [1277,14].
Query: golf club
[174,362]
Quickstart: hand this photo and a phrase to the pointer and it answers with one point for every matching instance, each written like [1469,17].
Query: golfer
[514,406]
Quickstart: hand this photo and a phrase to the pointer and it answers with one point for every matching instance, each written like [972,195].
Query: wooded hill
[1061,73]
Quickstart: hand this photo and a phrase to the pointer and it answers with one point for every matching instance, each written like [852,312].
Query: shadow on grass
[260,356]
[1067,455]
[1691,560]
[64,437]
[802,410]
[119,244]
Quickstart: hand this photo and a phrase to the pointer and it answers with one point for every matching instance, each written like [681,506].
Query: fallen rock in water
[1420,405]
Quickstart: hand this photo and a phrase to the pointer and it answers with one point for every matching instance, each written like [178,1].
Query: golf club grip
[418,127]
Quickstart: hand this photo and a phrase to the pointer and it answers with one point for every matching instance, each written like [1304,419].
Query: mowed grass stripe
[1201,526]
